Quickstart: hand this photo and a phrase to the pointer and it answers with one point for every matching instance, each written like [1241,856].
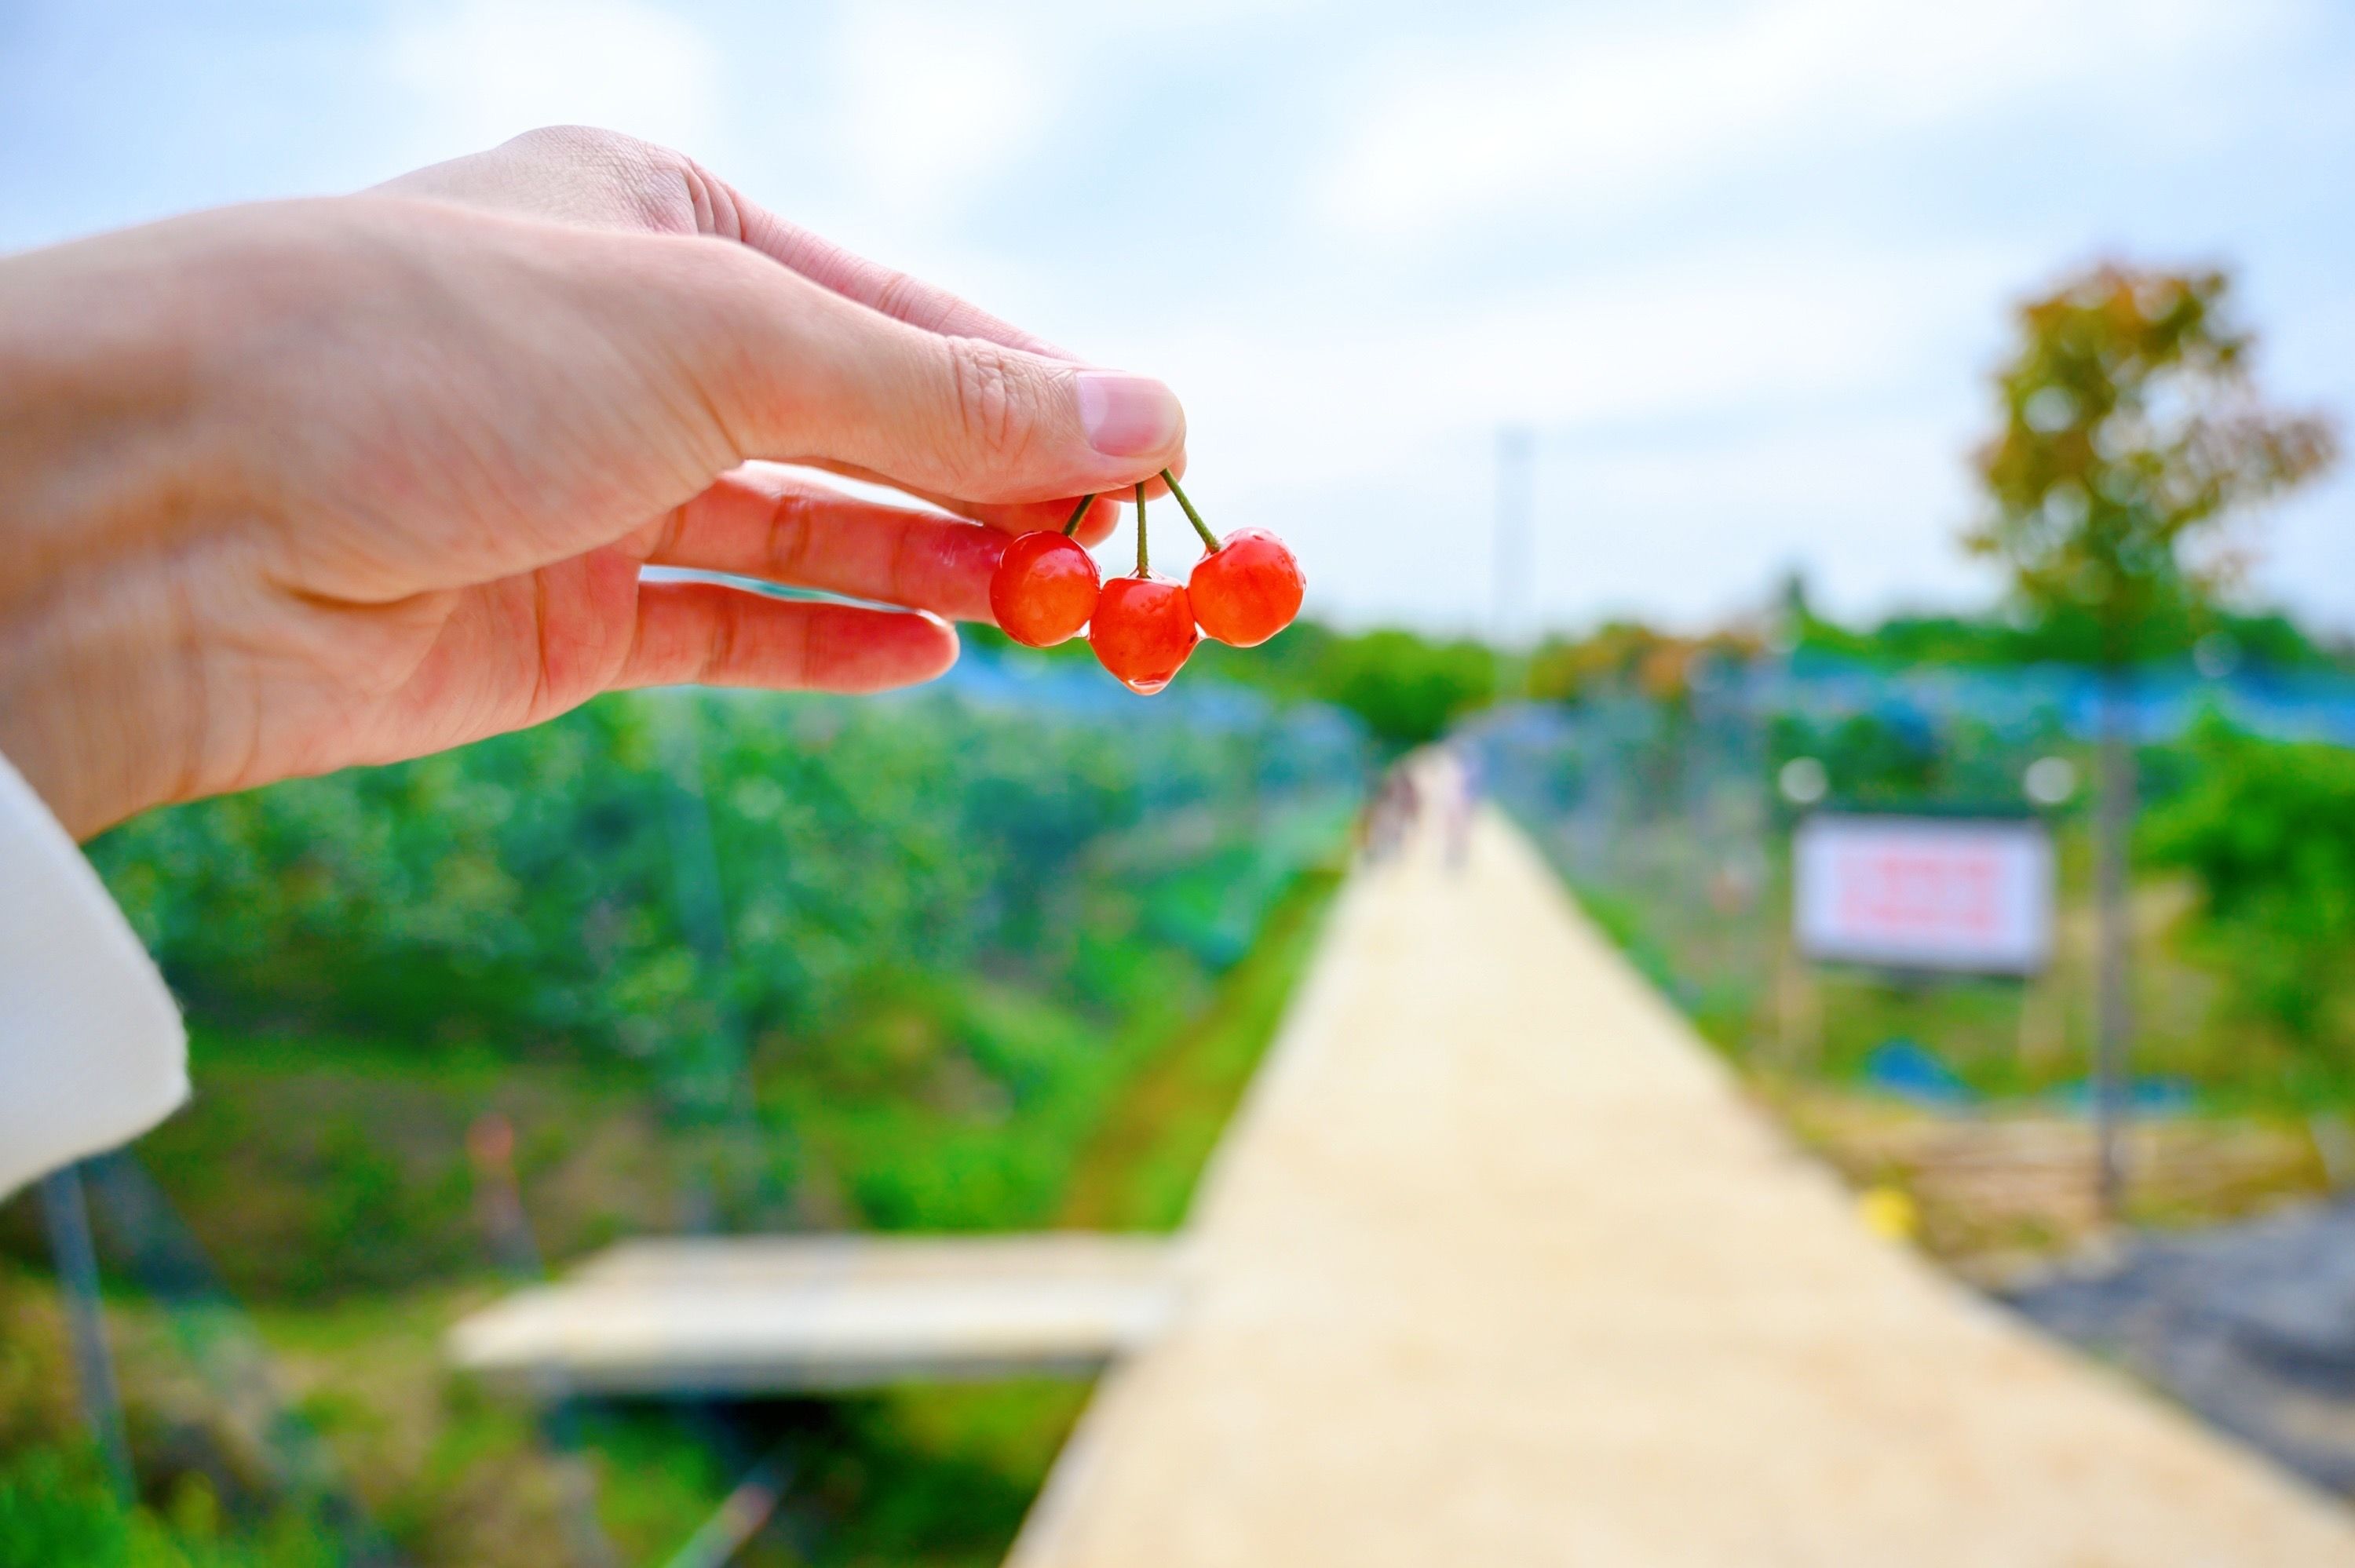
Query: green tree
[1407,689]
[2268,828]
[2132,434]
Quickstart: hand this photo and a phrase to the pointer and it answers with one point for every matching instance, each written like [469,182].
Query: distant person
[1462,803]
[297,485]
[1394,809]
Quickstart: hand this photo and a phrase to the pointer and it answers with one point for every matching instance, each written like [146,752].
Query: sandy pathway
[1497,1269]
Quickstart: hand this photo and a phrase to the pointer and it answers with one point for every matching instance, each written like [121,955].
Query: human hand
[601,179]
[295,486]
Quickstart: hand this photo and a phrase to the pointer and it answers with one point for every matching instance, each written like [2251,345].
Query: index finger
[878,287]
[601,179]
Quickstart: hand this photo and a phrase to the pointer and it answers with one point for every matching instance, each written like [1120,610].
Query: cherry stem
[1209,540]
[1144,566]
[1072,527]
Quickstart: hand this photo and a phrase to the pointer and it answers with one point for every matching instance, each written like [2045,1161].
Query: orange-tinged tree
[2132,429]
[2133,437]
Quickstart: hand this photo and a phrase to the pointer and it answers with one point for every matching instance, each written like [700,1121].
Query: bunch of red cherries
[1243,590]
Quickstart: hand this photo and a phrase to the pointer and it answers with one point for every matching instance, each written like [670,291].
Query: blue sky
[1744,262]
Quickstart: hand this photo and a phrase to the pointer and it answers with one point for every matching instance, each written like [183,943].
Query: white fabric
[91,1049]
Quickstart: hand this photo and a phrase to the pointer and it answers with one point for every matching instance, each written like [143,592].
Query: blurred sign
[1973,895]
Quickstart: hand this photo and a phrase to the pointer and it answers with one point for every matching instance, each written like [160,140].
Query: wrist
[101,468]
[94,711]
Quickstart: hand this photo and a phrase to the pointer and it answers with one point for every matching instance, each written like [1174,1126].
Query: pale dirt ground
[1498,1268]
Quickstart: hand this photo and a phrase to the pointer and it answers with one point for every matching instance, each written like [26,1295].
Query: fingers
[879,288]
[888,375]
[711,635]
[574,174]
[761,522]
[1016,516]
[802,374]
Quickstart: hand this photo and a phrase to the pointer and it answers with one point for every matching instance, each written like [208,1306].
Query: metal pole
[490,1146]
[715,1088]
[740,1516]
[68,1218]
[1515,455]
[2112,829]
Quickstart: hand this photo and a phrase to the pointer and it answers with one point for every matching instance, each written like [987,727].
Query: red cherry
[1247,589]
[1143,632]
[1044,589]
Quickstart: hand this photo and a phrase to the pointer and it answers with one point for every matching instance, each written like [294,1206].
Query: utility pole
[2113,815]
[1516,491]
[1510,591]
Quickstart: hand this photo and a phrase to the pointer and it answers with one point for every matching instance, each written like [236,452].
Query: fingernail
[1127,415]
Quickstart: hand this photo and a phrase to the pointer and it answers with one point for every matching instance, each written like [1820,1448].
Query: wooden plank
[785,1314]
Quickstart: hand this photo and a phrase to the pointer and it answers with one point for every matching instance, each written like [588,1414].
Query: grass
[56,1508]
[1140,1171]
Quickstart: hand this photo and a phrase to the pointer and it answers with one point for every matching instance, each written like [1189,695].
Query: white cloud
[1757,331]
[936,102]
[1593,118]
[486,70]
[937,108]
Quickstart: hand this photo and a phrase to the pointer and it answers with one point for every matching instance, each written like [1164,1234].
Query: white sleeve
[91,1050]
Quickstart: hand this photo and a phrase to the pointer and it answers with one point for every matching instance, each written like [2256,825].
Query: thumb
[840,383]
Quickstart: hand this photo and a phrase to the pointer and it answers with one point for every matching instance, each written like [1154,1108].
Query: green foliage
[1142,1161]
[927,1478]
[2268,829]
[2130,427]
[2242,976]
[314,1167]
[1898,757]
[1626,658]
[2063,633]
[1622,920]
[775,960]
[1405,687]
[542,889]
[57,1508]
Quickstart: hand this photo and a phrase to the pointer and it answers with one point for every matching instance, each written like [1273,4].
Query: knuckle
[790,531]
[905,561]
[584,144]
[995,393]
[899,295]
[712,200]
[664,191]
[726,648]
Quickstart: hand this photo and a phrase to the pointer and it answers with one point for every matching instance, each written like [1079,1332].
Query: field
[1004,957]
[929,965]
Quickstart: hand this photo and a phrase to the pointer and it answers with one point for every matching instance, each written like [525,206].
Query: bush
[58,1509]
[2268,829]
[652,874]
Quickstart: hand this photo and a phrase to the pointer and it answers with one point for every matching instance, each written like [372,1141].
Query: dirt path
[1497,1269]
